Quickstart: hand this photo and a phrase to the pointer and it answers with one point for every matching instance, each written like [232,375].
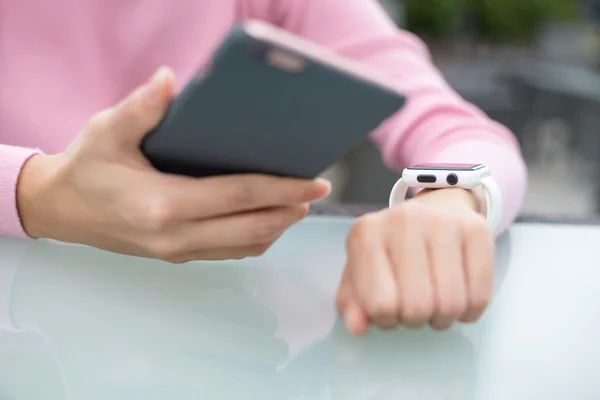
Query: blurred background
[533,65]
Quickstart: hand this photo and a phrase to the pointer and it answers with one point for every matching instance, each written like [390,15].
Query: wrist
[35,203]
[455,196]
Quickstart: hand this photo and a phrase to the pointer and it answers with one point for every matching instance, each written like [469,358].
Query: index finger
[225,195]
[370,271]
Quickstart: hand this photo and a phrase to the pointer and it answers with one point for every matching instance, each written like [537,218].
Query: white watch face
[447,167]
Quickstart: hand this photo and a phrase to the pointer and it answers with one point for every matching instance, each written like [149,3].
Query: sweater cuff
[12,160]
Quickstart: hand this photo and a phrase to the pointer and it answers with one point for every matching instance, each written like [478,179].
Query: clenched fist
[428,260]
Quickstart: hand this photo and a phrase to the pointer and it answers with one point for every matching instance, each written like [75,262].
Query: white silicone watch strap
[493,200]
[398,194]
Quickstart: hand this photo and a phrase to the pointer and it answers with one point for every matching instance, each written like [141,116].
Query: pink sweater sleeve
[436,125]
[12,160]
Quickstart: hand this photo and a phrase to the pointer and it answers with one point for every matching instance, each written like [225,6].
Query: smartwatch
[464,176]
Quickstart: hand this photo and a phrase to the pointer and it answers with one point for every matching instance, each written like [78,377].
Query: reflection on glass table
[103,326]
[131,328]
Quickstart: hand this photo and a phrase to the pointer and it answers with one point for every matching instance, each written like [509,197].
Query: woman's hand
[427,261]
[103,192]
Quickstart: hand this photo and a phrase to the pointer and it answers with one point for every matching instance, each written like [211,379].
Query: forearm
[12,160]
[436,125]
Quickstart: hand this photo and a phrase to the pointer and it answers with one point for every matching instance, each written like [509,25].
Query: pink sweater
[63,60]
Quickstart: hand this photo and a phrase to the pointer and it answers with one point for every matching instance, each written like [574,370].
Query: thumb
[143,109]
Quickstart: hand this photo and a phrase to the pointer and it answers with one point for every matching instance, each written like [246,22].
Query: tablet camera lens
[452,179]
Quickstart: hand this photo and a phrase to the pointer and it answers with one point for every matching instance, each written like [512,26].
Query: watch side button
[426,178]
[452,179]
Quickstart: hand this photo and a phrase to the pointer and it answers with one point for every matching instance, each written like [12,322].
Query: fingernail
[319,189]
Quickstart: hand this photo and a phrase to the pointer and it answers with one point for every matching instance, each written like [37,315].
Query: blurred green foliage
[491,20]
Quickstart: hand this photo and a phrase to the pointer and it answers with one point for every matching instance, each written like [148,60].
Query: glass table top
[96,325]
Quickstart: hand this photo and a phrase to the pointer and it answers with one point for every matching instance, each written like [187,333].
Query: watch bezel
[447,167]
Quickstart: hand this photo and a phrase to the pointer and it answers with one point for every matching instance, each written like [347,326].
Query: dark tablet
[270,103]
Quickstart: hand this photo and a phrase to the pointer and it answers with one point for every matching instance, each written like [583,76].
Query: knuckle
[177,260]
[291,216]
[452,307]
[341,299]
[479,302]
[99,121]
[407,217]
[475,227]
[245,195]
[443,230]
[404,220]
[380,308]
[401,215]
[417,311]
[441,220]
[361,230]
[166,250]
[132,110]
[259,250]
[344,293]
[299,212]
[155,214]
[267,228]
[283,191]
[441,325]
